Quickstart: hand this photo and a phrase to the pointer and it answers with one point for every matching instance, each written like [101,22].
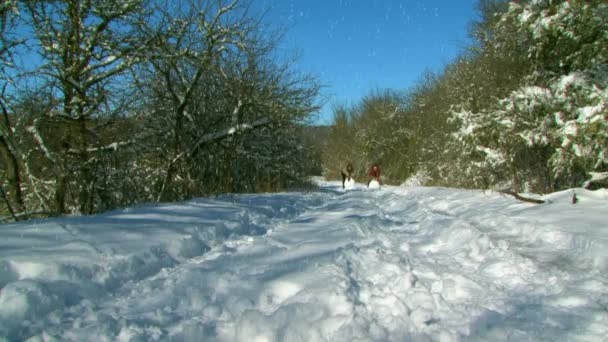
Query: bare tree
[213,80]
[9,158]
[214,102]
[187,37]
[85,46]
[8,152]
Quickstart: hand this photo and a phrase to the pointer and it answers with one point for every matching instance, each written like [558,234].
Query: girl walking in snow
[347,173]
[374,174]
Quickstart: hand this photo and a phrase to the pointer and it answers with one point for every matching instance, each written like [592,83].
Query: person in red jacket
[374,173]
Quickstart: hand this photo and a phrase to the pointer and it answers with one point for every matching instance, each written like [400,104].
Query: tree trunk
[162,194]
[12,176]
[59,197]
[86,181]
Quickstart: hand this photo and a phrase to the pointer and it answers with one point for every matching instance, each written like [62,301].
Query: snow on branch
[228,132]
[207,138]
[110,147]
[597,180]
[212,24]
[38,137]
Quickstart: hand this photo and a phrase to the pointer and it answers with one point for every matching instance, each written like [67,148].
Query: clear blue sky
[357,46]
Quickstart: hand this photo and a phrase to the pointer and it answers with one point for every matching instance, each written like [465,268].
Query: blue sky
[357,46]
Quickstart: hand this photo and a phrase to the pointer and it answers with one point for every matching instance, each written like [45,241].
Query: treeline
[525,106]
[110,103]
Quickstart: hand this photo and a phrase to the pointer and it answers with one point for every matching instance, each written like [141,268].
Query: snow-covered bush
[551,131]
[541,137]
[563,36]
[581,125]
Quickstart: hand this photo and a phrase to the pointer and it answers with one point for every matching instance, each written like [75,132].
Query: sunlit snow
[349,183]
[389,264]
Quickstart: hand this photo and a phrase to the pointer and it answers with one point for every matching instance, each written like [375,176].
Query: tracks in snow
[367,265]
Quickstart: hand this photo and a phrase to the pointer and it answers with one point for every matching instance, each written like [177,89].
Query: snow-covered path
[395,264]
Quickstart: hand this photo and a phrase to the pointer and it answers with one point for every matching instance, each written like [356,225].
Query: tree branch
[521,198]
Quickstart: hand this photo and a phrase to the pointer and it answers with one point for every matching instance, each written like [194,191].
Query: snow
[525,15]
[420,178]
[590,113]
[595,176]
[110,59]
[571,80]
[393,264]
[349,183]
[570,128]
[492,155]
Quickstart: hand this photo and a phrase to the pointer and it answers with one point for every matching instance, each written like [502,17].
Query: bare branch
[521,198]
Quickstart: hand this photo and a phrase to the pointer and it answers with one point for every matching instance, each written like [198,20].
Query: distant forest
[524,107]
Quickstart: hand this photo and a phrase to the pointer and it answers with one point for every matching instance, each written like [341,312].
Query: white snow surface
[390,264]
[350,183]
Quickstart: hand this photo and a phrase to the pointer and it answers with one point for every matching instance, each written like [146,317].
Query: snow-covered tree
[9,154]
[550,131]
[85,48]
[120,102]
[219,100]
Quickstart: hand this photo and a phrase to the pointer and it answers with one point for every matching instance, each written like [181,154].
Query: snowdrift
[399,263]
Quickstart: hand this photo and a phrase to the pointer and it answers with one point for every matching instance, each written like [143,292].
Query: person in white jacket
[347,173]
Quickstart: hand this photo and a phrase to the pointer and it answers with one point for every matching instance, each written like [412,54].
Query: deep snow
[388,264]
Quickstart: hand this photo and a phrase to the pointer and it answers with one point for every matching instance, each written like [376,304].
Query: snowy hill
[394,264]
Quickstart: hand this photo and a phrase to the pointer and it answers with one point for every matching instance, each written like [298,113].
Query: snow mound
[374,184]
[402,264]
[24,302]
[349,184]
[188,246]
[418,179]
